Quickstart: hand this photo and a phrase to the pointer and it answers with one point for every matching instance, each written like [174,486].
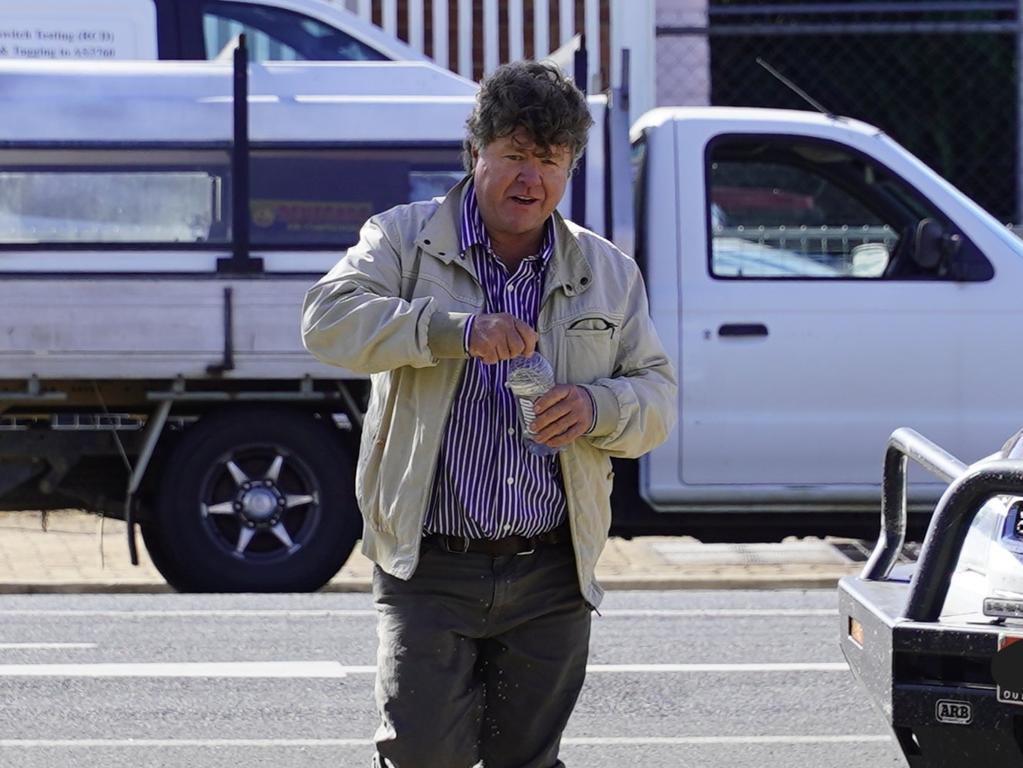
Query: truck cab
[817,286]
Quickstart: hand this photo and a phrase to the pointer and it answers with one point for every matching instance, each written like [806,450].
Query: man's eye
[513,157]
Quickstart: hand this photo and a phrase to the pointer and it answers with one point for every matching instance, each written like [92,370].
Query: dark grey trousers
[481,659]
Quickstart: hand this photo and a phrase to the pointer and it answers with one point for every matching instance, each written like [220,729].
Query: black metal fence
[938,76]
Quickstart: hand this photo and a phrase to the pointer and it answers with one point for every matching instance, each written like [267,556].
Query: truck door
[819,313]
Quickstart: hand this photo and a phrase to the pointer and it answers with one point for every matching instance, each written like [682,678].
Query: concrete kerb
[76,556]
[808,581]
[82,588]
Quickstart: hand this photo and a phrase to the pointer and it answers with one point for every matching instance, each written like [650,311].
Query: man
[485,552]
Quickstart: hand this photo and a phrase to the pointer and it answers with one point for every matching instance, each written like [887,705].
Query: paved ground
[70,551]
[676,679]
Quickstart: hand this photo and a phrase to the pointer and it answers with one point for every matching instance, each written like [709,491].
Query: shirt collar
[473,232]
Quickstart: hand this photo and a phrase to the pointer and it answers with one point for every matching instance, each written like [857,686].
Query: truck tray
[156,327]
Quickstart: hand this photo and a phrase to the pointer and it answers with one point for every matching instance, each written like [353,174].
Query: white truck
[814,283]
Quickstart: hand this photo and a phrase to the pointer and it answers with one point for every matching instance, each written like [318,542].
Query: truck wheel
[254,500]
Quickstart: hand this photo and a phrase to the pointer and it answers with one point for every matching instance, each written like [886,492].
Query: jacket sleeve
[636,407]
[355,318]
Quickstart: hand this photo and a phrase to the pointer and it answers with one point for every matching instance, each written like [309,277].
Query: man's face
[518,184]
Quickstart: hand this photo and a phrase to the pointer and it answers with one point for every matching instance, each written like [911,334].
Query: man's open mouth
[524,200]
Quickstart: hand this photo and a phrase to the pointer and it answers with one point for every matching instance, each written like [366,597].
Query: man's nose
[530,174]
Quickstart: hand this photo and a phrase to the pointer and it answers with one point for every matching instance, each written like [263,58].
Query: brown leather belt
[509,545]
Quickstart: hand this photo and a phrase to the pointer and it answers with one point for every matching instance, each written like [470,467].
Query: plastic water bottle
[528,379]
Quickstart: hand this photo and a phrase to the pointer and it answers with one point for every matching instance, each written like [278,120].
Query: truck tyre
[254,500]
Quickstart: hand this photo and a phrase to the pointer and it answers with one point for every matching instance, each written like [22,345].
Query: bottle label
[528,414]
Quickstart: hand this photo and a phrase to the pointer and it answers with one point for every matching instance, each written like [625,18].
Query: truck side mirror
[927,244]
[934,249]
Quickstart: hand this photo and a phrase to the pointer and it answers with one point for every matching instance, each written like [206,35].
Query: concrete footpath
[69,551]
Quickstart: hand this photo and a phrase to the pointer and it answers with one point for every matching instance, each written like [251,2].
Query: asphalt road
[676,680]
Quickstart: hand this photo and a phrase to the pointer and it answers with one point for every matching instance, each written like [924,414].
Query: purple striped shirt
[487,484]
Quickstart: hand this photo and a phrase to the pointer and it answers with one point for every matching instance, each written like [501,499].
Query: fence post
[632,27]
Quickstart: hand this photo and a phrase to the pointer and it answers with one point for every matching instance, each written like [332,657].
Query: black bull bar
[931,679]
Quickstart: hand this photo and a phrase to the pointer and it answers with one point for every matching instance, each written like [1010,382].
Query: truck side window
[786,208]
[300,197]
[103,196]
[274,34]
[319,198]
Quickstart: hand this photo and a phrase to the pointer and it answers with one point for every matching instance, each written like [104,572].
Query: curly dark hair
[532,95]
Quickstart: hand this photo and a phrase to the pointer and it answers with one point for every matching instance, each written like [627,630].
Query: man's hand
[500,337]
[564,413]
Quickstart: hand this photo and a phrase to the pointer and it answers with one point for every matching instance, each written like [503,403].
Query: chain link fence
[939,77]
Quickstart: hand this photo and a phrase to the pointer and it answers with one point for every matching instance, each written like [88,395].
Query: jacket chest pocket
[587,347]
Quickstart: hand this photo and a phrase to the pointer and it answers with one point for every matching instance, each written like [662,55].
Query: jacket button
[584,280]
[426,242]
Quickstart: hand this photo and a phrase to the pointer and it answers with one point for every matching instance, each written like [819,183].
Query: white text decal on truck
[57,29]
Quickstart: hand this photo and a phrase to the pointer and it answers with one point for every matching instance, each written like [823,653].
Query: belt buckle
[531,550]
[465,544]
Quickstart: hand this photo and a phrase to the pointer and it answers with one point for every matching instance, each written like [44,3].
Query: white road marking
[570,741]
[189,614]
[330,613]
[720,613]
[782,667]
[697,740]
[249,669]
[332,669]
[44,646]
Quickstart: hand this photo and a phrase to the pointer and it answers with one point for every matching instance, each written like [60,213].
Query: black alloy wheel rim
[260,503]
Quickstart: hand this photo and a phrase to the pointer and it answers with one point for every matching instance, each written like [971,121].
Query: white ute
[815,284]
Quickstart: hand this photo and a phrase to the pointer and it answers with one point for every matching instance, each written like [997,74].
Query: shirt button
[511,480]
[511,287]
[511,430]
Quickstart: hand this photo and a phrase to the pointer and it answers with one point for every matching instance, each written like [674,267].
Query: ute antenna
[797,90]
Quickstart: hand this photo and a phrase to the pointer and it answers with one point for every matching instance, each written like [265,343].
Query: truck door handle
[742,329]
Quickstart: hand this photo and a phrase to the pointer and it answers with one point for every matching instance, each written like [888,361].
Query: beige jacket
[396,306]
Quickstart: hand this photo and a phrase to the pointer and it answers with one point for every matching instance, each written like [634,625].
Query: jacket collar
[568,268]
[439,237]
